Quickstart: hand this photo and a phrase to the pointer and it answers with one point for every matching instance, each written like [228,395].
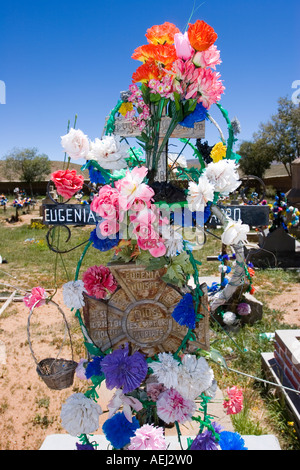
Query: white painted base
[67,442]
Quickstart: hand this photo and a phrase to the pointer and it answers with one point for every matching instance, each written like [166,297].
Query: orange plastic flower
[146,72]
[165,54]
[162,34]
[201,35]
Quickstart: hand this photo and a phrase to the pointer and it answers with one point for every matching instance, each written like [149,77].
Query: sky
[59,58]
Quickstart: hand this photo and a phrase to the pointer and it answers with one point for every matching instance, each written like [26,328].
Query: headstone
[293,195]
[140,313]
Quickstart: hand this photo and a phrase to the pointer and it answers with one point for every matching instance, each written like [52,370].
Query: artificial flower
[109,152]
[173,242]
[108,228]
[102,243]
[84,446]
[73,294]
[207,439]
[99,282]
[218,152]
[229,318]
[93,368]
[128,403]
[80,415]
[118,430]
[106,203]
[208,58]
[184,312]
[243,309]
[165,370]
[198,115]
[124,371]
[201,35]
[212,390]
[176,161]
[171,407]
[146,72]
[67,182]
[200,194]
[36,298]
[224,176]
[75,144]
[80,369]
[194,376]
[207,87]
[132,188]
[235,232]
[231,441]
[165,54]
[162,34]
[234,403]
[154,389]
[183,47]
[148,437]
[125,108]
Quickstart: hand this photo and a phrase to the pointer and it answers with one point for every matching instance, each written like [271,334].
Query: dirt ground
[29,410]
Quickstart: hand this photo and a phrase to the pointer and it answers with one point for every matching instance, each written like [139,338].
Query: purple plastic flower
[124,371]
[243,309]
[84,446]
[206,440]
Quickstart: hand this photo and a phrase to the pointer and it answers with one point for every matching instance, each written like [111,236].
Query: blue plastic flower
[105,243]
[198,115]
[184,312]
[96,176]
[118,430]
[231,441]
[94,367]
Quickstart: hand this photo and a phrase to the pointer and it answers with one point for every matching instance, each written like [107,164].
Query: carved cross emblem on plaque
[140,313]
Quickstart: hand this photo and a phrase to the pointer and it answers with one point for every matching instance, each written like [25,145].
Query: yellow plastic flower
[125,108]
[218,152]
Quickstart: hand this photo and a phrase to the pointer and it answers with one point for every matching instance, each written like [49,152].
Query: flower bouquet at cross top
[177,78]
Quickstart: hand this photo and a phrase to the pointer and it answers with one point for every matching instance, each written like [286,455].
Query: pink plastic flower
[148,437]
[234,402]
[243,309]
[99,282]
[155,246]
[37,296]
[106,203]
[67,182]
[109,227]
[183,46]
[132,188]
[208,58]
[207,88]
[154,390]
[171,407]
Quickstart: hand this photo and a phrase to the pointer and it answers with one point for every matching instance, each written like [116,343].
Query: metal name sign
[69,214]
[255,216]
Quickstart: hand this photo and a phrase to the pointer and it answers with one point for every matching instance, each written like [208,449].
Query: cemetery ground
[29,411]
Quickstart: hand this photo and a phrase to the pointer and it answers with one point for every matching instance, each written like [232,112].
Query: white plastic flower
[223,175]
[166,370]
[235,232]
[76,144]
[109,152]
[200,194]
[212,390]
[194,377]
[128,403]
[80,415]
[73,294]
[229,318]
[173,241]
[174,161]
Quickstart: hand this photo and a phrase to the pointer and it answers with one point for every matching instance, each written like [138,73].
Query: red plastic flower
[163,53]
[234,402]
[67,182]
[162,34]
[201,35]
[99,282]
[146,72]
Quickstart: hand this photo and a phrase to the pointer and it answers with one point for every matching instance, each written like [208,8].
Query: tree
[256,157]
[282,133]
[277,140]
[27,165]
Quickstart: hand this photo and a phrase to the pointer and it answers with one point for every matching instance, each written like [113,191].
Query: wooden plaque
[140,313]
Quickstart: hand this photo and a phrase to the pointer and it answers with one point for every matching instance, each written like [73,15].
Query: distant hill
[277,169]
[55,165]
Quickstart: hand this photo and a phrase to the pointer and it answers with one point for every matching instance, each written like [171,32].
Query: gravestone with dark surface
[293,195]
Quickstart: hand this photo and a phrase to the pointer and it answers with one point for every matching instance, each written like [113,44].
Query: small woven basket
[56,373]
